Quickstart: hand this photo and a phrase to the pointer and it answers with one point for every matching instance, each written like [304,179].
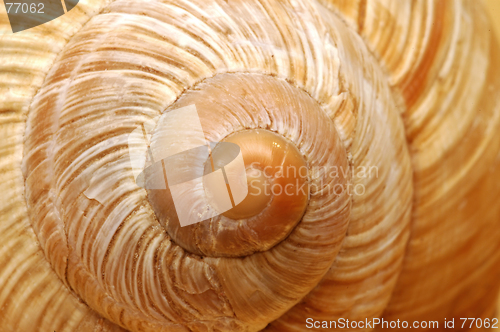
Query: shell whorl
[282,133]
[319,77]
[123,272]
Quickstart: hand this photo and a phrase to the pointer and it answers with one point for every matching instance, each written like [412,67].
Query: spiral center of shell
[275,172]
[251,182]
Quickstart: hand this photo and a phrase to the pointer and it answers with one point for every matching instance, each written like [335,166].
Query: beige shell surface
[406,89]
[438,58]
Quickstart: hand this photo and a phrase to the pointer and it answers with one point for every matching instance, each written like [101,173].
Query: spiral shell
[391,102]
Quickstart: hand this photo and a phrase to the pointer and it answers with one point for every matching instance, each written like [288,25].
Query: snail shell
[405,90]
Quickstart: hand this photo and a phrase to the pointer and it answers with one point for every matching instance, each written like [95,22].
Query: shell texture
[395,102]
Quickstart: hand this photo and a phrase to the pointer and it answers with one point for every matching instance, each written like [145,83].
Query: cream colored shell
[407,87]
